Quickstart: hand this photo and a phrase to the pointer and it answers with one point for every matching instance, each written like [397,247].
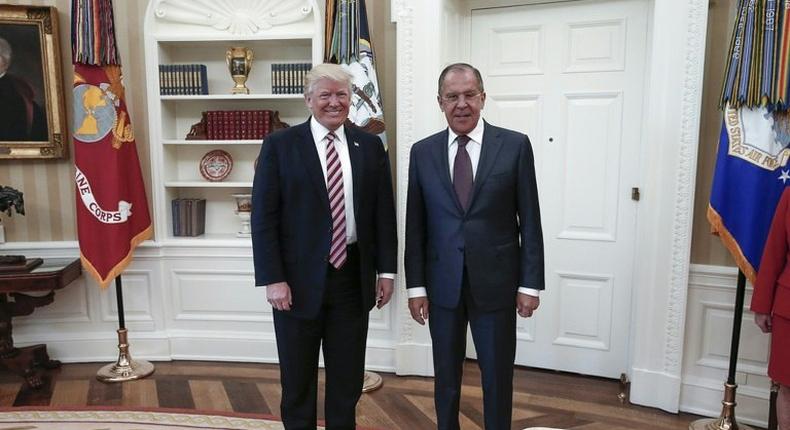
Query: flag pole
[345,25]
[726,420]
[124,369]
[97,70]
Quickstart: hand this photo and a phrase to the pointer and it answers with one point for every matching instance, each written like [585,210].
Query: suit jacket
[292,224]
[21,118]
[772,288]
[498,239]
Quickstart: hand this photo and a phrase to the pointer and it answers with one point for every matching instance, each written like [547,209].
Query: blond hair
[329,71]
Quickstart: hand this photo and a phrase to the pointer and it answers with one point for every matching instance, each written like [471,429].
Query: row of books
[182,79]
[189,217]
[288,78]
[236,125]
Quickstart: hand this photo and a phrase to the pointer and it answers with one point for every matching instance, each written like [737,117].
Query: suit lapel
[441,159]
[311,162]
[357,165]
[488,153]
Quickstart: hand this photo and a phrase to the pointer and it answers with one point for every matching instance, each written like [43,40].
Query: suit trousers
[494,336]
[340,329]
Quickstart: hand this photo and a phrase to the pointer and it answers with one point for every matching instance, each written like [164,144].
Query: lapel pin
[356,144]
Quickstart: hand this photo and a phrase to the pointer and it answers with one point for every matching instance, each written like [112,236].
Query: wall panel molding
[707,342]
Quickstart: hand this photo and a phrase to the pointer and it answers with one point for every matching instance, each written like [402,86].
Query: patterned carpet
[36,418]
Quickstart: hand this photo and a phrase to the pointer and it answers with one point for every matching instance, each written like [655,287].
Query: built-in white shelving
[180,33]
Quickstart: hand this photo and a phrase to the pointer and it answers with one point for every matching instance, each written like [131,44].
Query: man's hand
[418,306]
[279,296]
[526,304]
[384,288]
[764,322]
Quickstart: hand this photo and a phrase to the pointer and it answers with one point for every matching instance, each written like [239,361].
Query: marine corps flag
[112,210]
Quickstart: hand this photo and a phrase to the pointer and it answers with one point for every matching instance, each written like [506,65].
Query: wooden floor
[542,398]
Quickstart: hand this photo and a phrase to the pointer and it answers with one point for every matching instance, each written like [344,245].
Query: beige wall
[706,248]
[49,195]
[383,34]
[48,185]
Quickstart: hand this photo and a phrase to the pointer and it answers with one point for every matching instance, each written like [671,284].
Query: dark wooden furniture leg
[29,361]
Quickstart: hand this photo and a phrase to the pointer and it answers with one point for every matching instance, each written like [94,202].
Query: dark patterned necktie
[463,179]
[337,204]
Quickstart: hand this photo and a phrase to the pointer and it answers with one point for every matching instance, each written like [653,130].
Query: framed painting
[32,113]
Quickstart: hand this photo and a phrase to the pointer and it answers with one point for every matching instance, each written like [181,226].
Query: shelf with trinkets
[176,120]
[234,97]
[212,54]
[233,55]
[204,142]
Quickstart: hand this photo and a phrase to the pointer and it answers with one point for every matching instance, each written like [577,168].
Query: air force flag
[751,173]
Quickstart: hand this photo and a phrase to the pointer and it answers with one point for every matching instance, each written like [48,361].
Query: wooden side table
[51,275]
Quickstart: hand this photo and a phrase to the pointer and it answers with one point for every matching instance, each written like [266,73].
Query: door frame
[670,129]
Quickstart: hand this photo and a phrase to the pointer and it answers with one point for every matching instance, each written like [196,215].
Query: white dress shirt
[473,147]
[341,146]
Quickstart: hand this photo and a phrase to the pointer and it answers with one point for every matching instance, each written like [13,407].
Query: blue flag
[751,173]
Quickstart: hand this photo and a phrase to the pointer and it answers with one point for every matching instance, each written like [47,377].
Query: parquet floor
[542,398]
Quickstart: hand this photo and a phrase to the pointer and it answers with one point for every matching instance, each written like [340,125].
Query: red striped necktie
[337,203]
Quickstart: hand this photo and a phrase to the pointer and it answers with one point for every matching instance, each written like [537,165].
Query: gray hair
[461,67]
[326,71]
[5,50]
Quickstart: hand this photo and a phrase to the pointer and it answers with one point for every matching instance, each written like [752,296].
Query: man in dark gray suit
[474,246]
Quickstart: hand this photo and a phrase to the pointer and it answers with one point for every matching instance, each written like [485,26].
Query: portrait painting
[32,114]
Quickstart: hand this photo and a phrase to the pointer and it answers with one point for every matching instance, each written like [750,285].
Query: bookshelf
[191,33]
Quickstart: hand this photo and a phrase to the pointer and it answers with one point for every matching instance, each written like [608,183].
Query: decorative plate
[216,165]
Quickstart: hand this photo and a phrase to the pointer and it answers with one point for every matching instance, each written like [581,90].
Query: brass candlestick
[727,419]
[125,369]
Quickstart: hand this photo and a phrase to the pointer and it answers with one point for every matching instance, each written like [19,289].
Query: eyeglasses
[452,99]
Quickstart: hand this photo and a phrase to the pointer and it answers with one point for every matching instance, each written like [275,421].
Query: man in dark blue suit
[324,245]
[474,246]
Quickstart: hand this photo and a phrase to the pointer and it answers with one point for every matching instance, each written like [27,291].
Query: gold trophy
[239,60]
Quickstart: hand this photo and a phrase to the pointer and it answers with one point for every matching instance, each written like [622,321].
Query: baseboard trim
[655,389]
[187,345]
[703,397]
[414,359]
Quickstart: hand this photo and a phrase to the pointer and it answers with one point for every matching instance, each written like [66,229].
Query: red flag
[112,210]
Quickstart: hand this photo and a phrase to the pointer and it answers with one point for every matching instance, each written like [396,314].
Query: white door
[570,75]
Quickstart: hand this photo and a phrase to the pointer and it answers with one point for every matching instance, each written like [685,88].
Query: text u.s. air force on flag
[751,173]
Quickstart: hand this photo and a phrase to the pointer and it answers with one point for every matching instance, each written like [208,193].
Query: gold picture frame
[32,114]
